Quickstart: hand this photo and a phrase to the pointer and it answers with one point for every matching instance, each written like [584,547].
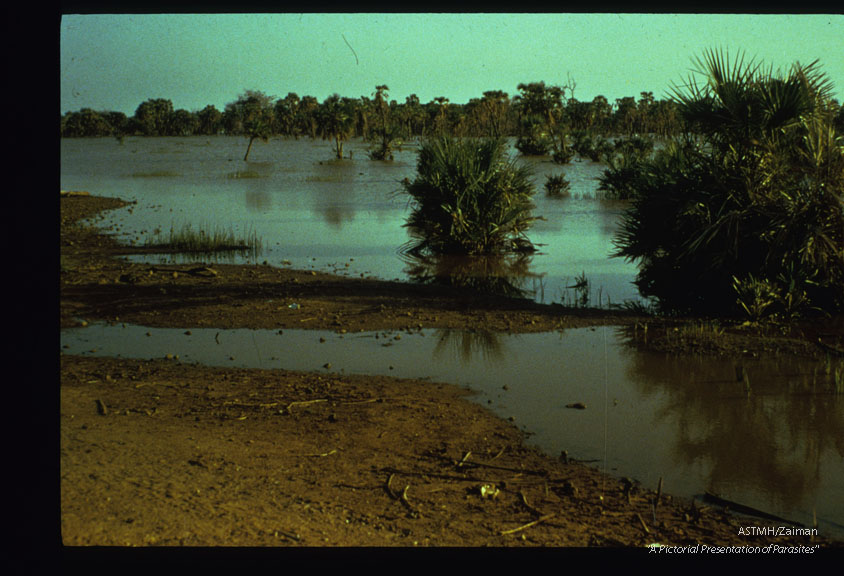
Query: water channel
[777,444]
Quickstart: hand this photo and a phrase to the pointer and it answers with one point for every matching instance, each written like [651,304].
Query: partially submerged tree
[251,114]
[384,133]
[469,198]
[335,122]
[750,206]
[544,120]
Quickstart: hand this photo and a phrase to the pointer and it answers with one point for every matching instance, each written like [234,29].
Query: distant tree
[306,118]
[544,120]
[85,123]
[644,108]
[119,123]
[438,115]
[153,116]
[182,123]
[286,111]
[489,114]
[624,117]
[252,115]
[209,121]
[384,132]
[335,122]
[414,116]
[602,114]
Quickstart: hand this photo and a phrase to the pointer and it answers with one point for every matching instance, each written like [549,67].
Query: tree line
[540,115]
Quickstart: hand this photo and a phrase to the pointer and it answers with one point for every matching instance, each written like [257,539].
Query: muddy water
[343,216]
[773,441]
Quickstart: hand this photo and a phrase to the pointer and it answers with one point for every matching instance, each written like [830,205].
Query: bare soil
[161,453]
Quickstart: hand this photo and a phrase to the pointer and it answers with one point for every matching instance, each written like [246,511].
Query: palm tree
[468,198]
[754,195]
[335,122]
[384,130]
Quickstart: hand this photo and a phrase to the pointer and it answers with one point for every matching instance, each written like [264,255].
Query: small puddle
[774,441]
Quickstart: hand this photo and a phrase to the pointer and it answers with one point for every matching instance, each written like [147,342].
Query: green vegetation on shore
[745,215]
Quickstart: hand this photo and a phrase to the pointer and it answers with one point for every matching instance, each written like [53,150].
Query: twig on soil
[463,460]
[390,490]
[642,522]
[304,403]
[528,506]
[509,469]
[290,535]
[324,454]
[367,401]
[500,452]
[528,525]
[405,501]
[435,475]
[401,497]
[742,509]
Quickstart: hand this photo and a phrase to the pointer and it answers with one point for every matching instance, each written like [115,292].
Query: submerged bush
[557,186]
[469,198]
[595,147]
[626,166]
[535,141]
[747,216]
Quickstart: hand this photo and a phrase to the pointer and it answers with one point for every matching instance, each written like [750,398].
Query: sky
[115,62]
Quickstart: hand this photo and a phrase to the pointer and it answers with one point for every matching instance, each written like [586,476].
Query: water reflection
[257,200]
[303,204]
[772,429]
[497,275]
[776,445]
[469,345]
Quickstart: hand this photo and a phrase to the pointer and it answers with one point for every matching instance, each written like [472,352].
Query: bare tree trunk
[248,148]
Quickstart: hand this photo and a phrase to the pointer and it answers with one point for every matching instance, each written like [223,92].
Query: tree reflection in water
[493,275]
[768,432]
[470,345]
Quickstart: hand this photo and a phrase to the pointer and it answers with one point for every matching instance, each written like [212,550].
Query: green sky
[115,62]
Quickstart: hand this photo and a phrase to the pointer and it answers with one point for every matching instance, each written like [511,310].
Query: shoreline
[162,453]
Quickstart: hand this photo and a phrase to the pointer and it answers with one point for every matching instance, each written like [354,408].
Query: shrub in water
[746,216]
[468,197]
[557,186]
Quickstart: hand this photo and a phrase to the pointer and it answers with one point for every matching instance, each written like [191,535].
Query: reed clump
[206,239]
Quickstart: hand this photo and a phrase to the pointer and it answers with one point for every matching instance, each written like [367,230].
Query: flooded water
[776,445]
[316,212]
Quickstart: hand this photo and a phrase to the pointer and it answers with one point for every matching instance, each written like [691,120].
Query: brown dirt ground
[163,453]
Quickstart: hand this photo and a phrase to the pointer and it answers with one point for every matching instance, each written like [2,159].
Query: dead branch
[528,525]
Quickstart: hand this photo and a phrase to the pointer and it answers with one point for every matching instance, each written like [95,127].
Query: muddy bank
[163,453]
